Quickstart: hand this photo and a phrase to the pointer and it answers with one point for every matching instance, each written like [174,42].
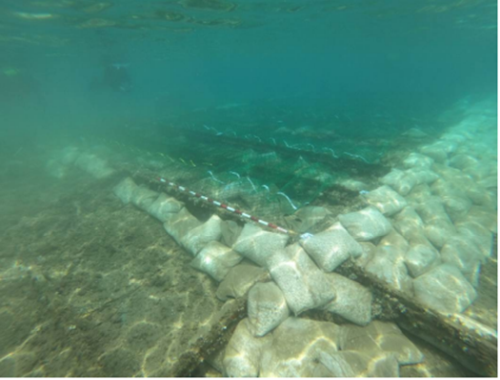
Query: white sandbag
[386,200]
[444,289]
[331,248]
[267,308]
[454,199]
[399,181]
[296,346]
[180,224]
[416,160]
[353,301]
[366,224]
[419,194]
[380,337]
[342,364]
[420,258]
[125,190]
[239,280]
[230,231]
[464,254]
[404,182]
[243,352]
[395,240]
[95,166]
[198,237]
[302,283]
[216,259]
[367,254]
[438,231]
[481,237]
[258,245]
[68,155]
[143,197]
[463,161]
[306,217]
[437,222]
[484,216]
[388,265]
[164,207]
[439,150]
[352,184]
[408,223]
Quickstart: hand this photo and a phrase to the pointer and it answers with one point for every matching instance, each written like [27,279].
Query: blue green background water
[388,58]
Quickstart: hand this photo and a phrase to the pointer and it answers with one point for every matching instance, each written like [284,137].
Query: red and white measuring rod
[225,207]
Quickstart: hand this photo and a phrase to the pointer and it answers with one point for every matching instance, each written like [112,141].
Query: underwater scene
[248,188]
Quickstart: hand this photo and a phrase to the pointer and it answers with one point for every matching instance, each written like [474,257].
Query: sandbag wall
[426,231]
[284,283]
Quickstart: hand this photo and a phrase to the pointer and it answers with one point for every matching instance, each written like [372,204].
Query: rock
[239,280]
[380,337]
[331,248]
[352,302]
[267,308]
[258,245]
[366,224]
[444,289]
[386,200]
[302,283]
[198,237]
[216,259]
[243,352]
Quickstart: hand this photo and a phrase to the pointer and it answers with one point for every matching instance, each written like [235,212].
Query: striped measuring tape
[226,207]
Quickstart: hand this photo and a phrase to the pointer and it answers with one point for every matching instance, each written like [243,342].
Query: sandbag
[366,224]
[267,308]
[444,289]
[216,259]
[352,302]
[386,200]
[258,245]
[331,248]
[302,283]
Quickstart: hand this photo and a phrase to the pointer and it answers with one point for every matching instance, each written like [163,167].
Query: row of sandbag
[443,216]
[63,161]
[270,342]
[306,348]
[218,248]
